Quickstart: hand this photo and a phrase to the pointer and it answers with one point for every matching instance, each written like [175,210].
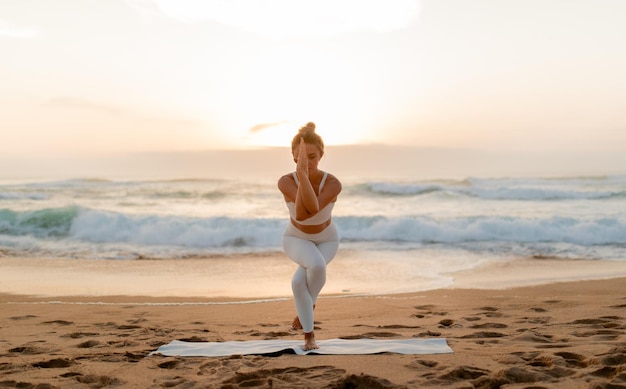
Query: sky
[94,77]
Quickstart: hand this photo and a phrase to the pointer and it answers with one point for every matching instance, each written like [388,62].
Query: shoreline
[240,279]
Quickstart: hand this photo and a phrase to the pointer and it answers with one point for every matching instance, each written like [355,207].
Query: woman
[310,239]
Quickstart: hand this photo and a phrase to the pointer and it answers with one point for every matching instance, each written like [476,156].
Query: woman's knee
[298,285]
[317,272]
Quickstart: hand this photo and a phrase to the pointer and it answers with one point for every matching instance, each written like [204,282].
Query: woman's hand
[302,166]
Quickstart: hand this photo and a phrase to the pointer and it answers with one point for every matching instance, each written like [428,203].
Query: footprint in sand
[78,335]
[615,357]
[170,382]
[598,334]
[612,368]
[54,363]
[544,341]
[295,377]
[269,325]
[490,311]
[25,317]
[535,320]
[489,325]
[610,373]
[605,328]
[397,326]
[16,384]
[28,350]
[10,368]
[88,344]
[171,364]
[516,375]
[534,336]
[427,310]
[446,323]
[601,322]
[483,334]
[573,359]
[193,339]
[271,334]
[390,326]
[59,322]
[462,373]
[227,363]
[363,381]
[98,381]
[427,333]
[248,332]
[371,335]
[544,361]
[122,344]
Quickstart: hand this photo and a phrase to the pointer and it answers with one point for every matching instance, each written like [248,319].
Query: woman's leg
[328,251]
[309,279]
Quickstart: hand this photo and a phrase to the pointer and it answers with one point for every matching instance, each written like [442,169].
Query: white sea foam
[579,217]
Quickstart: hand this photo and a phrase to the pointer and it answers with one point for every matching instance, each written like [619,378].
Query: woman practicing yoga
[310,239]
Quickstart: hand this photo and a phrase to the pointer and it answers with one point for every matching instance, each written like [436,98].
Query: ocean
[413,230]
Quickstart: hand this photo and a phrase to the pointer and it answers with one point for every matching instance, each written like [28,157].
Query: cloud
[264,126]
[77,103]
[278,18]
[12,30]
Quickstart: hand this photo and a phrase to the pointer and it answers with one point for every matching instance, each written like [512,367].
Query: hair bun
[307,134]
[310,127]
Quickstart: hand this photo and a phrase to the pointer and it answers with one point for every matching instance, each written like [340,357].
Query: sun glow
[294,73]
[285,88]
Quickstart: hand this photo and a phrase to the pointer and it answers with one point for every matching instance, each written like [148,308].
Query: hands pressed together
[302,167]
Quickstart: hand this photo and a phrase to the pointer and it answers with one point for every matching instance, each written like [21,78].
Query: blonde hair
[307,133]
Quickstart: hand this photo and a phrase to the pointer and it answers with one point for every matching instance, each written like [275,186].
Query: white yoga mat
[329,346]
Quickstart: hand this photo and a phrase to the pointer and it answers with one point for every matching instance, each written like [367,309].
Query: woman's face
[313,154]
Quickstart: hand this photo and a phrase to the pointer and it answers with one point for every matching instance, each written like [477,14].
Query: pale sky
[88,77]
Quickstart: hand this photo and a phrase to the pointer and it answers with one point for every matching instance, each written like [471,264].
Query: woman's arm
[306,199]
[287,184]
[307,202]
[331,190]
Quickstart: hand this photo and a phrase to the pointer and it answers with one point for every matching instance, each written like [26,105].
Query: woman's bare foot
[295,324]
[309,341]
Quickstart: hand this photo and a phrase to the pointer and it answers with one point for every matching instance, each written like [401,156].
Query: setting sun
[282,89]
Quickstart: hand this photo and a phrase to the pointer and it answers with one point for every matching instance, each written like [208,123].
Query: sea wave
[23,196]
[99,226]
[601,231]
[42,223]
[489,189]
[505,189]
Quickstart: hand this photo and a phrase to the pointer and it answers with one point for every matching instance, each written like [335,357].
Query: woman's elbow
[305,214]
[302,216]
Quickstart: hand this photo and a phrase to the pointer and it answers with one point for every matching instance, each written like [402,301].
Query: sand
[555,335]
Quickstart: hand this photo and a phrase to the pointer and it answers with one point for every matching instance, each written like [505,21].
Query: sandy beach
[553,335]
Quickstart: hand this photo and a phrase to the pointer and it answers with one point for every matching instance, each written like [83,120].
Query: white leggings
[312,252]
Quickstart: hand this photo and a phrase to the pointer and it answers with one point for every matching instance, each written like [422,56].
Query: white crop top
[320,217]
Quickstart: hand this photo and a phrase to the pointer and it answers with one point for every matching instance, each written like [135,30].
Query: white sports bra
[320,217]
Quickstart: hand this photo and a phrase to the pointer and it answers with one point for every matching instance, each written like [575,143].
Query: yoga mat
[328,346]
